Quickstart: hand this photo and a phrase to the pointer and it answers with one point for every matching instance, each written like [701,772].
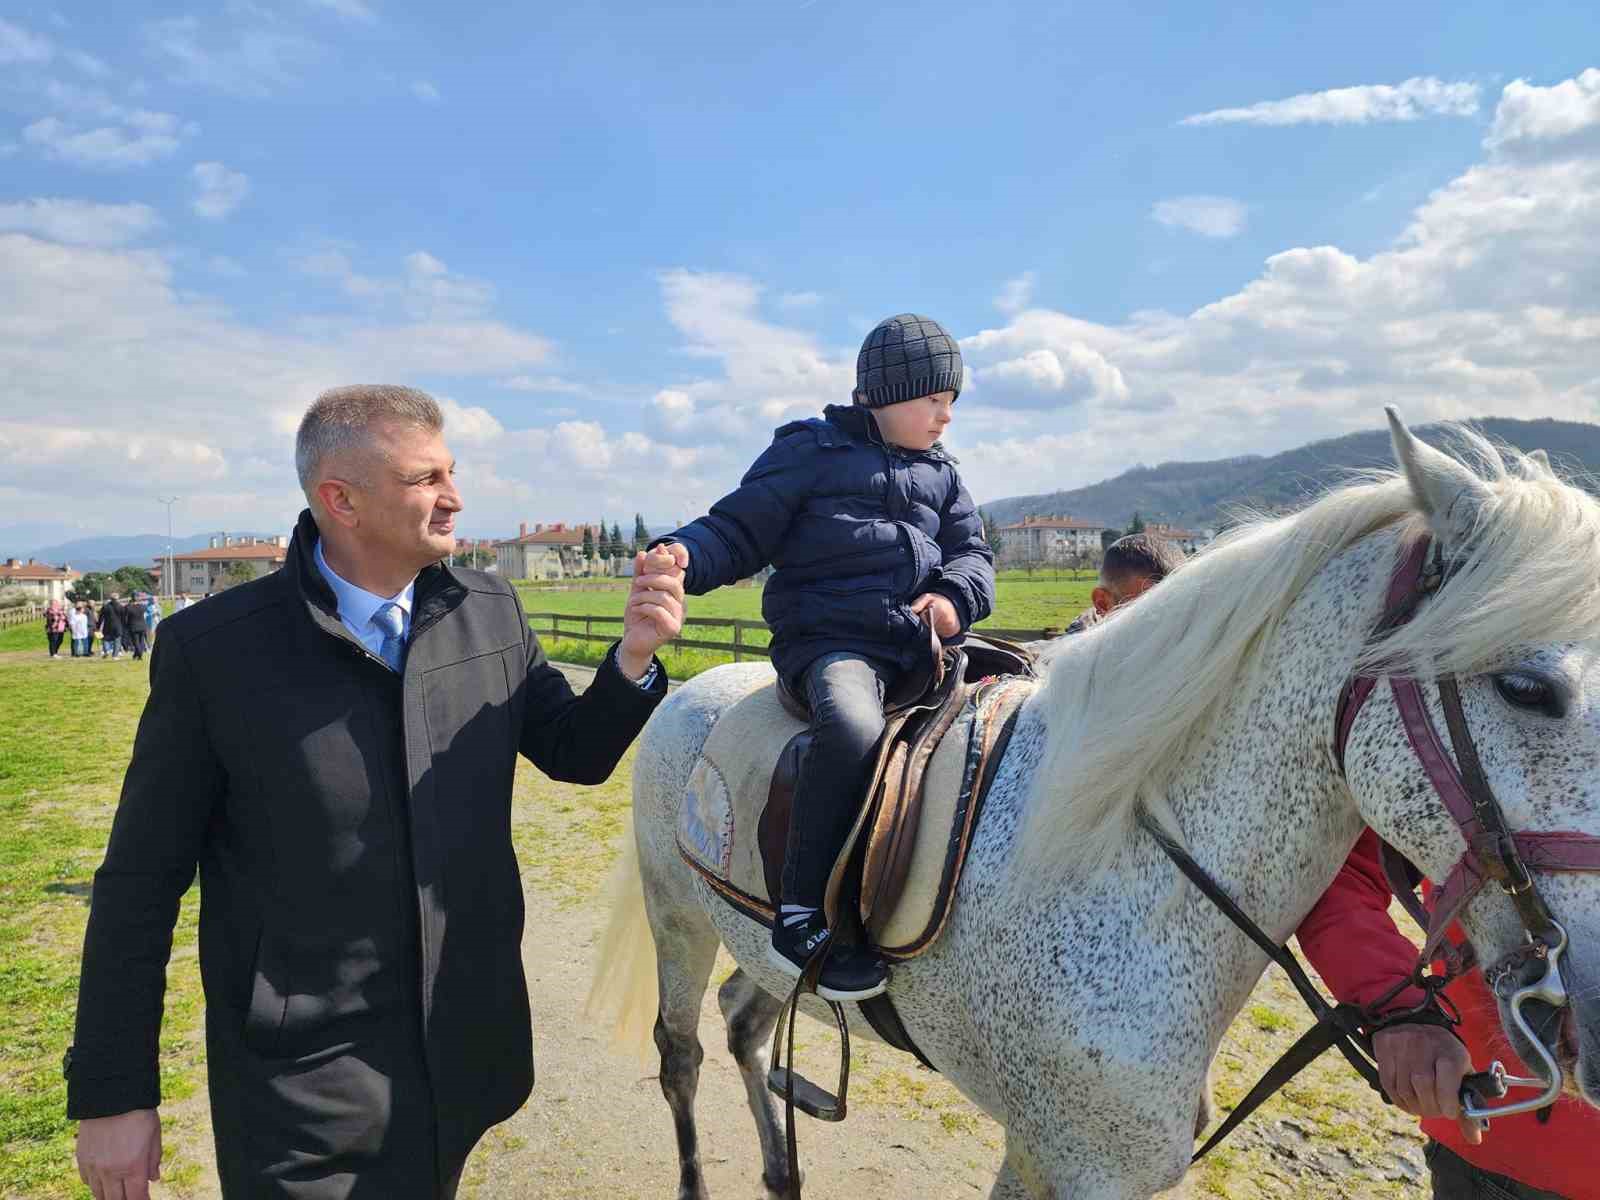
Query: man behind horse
[333,746]
[1132,566]
[1355,946]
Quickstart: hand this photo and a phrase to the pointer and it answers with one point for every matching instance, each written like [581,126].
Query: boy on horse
[872,534]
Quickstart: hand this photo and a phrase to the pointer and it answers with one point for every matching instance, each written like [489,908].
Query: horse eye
[1529,693]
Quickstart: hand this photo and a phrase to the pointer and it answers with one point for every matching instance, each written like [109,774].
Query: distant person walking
[110,628]
[55,626]
[152,616]
[135,627]
[78,626]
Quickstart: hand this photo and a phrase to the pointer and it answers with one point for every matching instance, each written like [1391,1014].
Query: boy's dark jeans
[845,695]
[1454,1178]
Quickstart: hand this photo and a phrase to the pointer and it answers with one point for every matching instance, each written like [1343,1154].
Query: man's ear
[338,503]
[1103,601]
[1446,492]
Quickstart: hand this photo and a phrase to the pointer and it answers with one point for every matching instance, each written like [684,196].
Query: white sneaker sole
[777,960]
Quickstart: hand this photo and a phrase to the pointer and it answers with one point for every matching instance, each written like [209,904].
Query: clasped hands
[654,612]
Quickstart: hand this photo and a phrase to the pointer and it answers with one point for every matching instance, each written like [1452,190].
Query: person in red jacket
[1355,946]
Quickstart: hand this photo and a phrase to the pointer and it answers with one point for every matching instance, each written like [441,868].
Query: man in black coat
[333,746]
[135,628]
[110,625]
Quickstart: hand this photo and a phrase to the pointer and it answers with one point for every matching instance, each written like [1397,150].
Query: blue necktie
[392,622]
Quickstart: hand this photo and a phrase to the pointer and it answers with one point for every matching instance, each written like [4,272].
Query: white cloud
[426,289]
[244,62]
[1052,376]
[426,92]
[350,10]
[469,424]
[545,383]
[1412,100]
[143,138]
[1533,119]
[1488,303]
[799,300]
[18,45]
[676,408]
[219,190]
[88,64]
[1209,216]
[196,398]
[1016,294]
[79,222]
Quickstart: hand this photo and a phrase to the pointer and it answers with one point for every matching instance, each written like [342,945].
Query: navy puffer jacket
[857,529]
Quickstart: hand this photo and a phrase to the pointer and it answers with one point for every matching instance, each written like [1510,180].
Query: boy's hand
[654,614]
[679,552]
[946,621]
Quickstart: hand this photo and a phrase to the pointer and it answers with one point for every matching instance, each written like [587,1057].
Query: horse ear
[1448,494]
[1540,457]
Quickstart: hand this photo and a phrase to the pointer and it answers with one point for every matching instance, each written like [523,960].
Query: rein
[1494,853]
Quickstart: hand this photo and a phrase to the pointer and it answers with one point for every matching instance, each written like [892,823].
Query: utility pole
[169,501]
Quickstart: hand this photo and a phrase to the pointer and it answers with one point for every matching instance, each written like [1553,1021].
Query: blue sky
[624,243]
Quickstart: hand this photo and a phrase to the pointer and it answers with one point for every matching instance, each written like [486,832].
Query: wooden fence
[27,614]
[581,629]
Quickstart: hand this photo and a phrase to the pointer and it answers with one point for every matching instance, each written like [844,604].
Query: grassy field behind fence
[65,733]
[1039,603]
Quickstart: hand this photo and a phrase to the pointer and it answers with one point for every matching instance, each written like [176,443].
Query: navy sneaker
[849,973]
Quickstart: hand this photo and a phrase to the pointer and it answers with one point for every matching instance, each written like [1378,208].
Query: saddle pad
[718,824]
[718,827]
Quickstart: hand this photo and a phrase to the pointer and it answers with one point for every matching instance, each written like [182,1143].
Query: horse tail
[624,991]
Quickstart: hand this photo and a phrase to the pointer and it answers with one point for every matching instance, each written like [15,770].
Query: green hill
[1198,495]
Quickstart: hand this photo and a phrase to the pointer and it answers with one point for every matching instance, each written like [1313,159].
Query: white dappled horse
[1081,988]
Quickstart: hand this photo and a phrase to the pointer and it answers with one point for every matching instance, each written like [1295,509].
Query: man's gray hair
[342,419]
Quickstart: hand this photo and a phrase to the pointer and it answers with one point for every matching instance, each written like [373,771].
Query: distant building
[550,552]
[1188,540]
[478,553]
[39,582]
[201,571]
[1049,539]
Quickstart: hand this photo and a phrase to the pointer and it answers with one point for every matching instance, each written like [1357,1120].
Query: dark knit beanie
[906,357]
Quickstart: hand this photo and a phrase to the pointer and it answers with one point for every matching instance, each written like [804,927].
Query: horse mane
[1124,702]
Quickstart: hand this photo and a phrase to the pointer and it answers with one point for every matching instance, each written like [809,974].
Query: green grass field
[1037,604]
[66,729]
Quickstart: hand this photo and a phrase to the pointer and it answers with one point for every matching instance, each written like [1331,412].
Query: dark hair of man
[1140,554]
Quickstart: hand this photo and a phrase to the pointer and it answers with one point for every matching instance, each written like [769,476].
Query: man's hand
[1421,1067]
[946,621]
[119,1156]
[654,614]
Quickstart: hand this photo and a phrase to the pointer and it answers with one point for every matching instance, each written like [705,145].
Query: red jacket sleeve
[1350,939]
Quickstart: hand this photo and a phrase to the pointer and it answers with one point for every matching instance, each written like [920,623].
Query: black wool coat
[110,621]
[361,909]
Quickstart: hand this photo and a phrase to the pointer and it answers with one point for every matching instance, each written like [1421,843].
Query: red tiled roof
[1172,533]
[228,554]
[36,571]
[547,537]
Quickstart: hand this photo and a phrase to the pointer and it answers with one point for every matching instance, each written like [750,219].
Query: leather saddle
[873,866]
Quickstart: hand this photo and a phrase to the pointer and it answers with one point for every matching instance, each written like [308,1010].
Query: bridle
[1493,854]
[1532,972]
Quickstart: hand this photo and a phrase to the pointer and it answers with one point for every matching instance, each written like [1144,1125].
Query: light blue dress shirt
[356,606]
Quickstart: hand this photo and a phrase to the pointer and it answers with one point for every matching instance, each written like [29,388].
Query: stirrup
[796,1091]
[783,1080]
